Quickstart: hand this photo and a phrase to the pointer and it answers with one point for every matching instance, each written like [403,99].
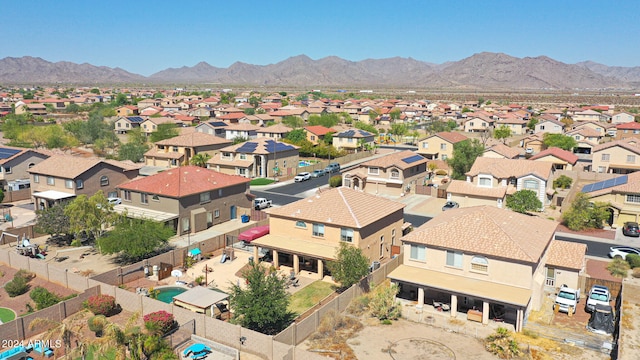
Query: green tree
[327,120]
[132,151]
[350,265]
[562,182]
[328,138]
[293,122]
[239,139]
[584,214]
[395,114]
[200,159]
[164,131]
[158,95]
[95,91]
[558,140]
[384,305]
[52,220]
[464,155]
[366,127]
[618,268]
[43,297]
[263,304]
[524,201]
[532,123]
[135,239]
[296,136]
[250,111]
[398,130]
[502,133]
[121,99]
[92,214]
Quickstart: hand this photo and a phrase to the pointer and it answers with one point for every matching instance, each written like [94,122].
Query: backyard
[309,296]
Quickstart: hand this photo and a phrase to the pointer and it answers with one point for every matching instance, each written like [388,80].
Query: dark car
[450,205]
[631,229]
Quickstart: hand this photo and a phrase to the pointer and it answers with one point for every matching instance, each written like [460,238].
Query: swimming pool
[166,294]
[303,163]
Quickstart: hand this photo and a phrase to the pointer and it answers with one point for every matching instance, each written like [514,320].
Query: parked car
[567,300]
[450,205]
[261,203]
[630,228]
[303,176]
[622,251]
[318,173]
[597,295]
[332,168]
[114,200]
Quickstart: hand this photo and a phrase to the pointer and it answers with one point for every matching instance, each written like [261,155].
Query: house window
[36,178]
[175,149]
[68,184]
[219,192]
[444,157]
[541,127]
[155,198]
[174,162]
[216,213]
[418,252]
[479,263]
[425,145]
[484,181]
[318,230]
[209,218]
[395,174]
[374,171]
[144,198]
[313,138]
[350,140]
[79,184]
[284,163]
[393,236]
[530,184]
[242,171]
[104,181]
[605,157]
[633,198]
[51,180]
[7,169]
[301,224]
[443,146]
[205,197]
[127,195]
[346,235]
[601,169]
[243,156]
[185,224]
[454,258]
[631,159]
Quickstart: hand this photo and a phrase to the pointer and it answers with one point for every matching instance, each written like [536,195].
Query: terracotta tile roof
[505,168]
[452,137]
[70,167]
[275,129]
[395,159]
[504,150]
[461,187]
[630,144]
[585,131]
[561,154]
[487,230]
[318,130]
[163,154]
[232,116]
[628,126]
[163,120]
[194,139]
[340,206]
[566,254]
[183,181]
[241,127]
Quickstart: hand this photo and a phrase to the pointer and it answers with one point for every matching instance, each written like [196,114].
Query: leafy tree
[524,201]
[133,151]
[90,214]
[43,297]
[567,121]
[373,114]
[250,111]
[558,140]
[158,95]
[562,182]
[95,91]
[164,131]
[121,99]
[297,136]
[366,127]
[283,93]
[335,181]
[585,215]
[73,108]
[135,239]
[395,114]
[398,130]
[383,304]
[350,265]
[415,134]
[327,120]
[52,220]
[136,136]
[239,139]
[254,101]
[328,138]
[262,305]
[436,126]
[293,122]
[464,155]
[18,286]
[532,123]
[200,159]
[502,133]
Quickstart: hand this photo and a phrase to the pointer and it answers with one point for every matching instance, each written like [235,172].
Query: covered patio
[46,199]
[202,300]
[168,218]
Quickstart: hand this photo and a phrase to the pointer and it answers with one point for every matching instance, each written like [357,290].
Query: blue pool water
[166,294]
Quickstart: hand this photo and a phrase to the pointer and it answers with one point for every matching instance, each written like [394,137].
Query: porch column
[420,298]
[320,268]
[264,167]
[296,264]
[485,313]
[255,253]
[275,259]
[454,305]
[519,320]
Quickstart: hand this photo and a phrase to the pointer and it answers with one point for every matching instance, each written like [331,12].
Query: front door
[233,212]
[551,277]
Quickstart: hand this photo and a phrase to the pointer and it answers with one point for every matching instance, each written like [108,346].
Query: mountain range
[480,71]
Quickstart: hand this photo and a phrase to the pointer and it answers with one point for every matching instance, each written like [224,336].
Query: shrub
[101,304]
[96,324]
[618,268]
[200,280]
[636,273]
[335,181]
[43,298]
[159,322]
[562,182]
[633,260]
[20,283]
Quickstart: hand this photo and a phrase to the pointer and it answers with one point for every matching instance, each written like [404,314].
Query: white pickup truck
[567,300]
[261,203]
[598,295]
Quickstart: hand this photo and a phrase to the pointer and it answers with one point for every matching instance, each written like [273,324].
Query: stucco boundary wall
[297,332]
[18,329]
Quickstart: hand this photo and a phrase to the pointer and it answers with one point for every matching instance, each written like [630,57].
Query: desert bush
[636,273]
[159,322]
[562,182]
[633,260]
[19,284]
[383,305]
[618,268]
[96,324]
[502,344]
[333,322]
[101,304]
[335,181]
[359,305]
[43,297]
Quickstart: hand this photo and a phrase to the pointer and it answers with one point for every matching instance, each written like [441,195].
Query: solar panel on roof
[135,119]
[620,180]
[7,153]
[247,147]
[217,123]
[412,159]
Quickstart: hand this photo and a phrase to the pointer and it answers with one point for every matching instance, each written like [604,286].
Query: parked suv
[332,168]
[597,295]
[630,228]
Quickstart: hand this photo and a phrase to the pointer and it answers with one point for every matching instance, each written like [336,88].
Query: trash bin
[251,260]
[245,218]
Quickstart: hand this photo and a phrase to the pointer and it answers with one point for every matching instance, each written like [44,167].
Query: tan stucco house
[617,157]
[622,194]
[179,150]
[261,157]
[439,146]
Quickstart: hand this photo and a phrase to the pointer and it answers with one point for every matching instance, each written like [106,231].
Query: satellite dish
[176,273]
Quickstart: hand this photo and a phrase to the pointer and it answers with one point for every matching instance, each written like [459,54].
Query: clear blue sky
[144,37]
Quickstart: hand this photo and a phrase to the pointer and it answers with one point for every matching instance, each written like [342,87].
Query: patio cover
[53,195]
[194,252]
[200,297]
[462,285]
[142,213]
[297,246]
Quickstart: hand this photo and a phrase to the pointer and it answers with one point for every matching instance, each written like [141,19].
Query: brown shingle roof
[487,230]
[395,159]
[183,181]
[629,144]
[275,129]
[466,188]
[193,140]
[70,167]
[340,206]
[504,168]
[504,150]
[566,254]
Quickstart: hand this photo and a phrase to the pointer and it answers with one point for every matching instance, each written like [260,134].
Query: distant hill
[480,71]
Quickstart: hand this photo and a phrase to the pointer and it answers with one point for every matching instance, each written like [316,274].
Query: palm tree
[66,330]
[200,159]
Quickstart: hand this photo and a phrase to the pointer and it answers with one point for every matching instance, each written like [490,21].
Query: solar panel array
[135,119]
[217,123]
[273,146]
[247,147]
[6,153]
[620,180]
[413,158]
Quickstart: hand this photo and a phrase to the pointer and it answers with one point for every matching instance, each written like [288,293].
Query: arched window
[301,224]
[104,181]
[395,174]
[479,263]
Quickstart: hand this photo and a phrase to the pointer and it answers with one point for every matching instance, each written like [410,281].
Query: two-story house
[316,133]
[478,124]
[622,194]
[352,140]
[61,178]
[150,125]
[628,130]
[391,174]
[127,110]
[307,233]
[501,151]
[622,118]
[261,157]
[179,150]
[126,123]
[244,131]
[484,261]
[551,126]
[617,157]
[216,128]
[188,198]
[275,132]
[439,146]
[561,159]
[490,180]
[589,115]
[14,166]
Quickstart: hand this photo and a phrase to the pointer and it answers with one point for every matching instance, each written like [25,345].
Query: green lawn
[309,296]
[109,355]
[261,181]
[6,315]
